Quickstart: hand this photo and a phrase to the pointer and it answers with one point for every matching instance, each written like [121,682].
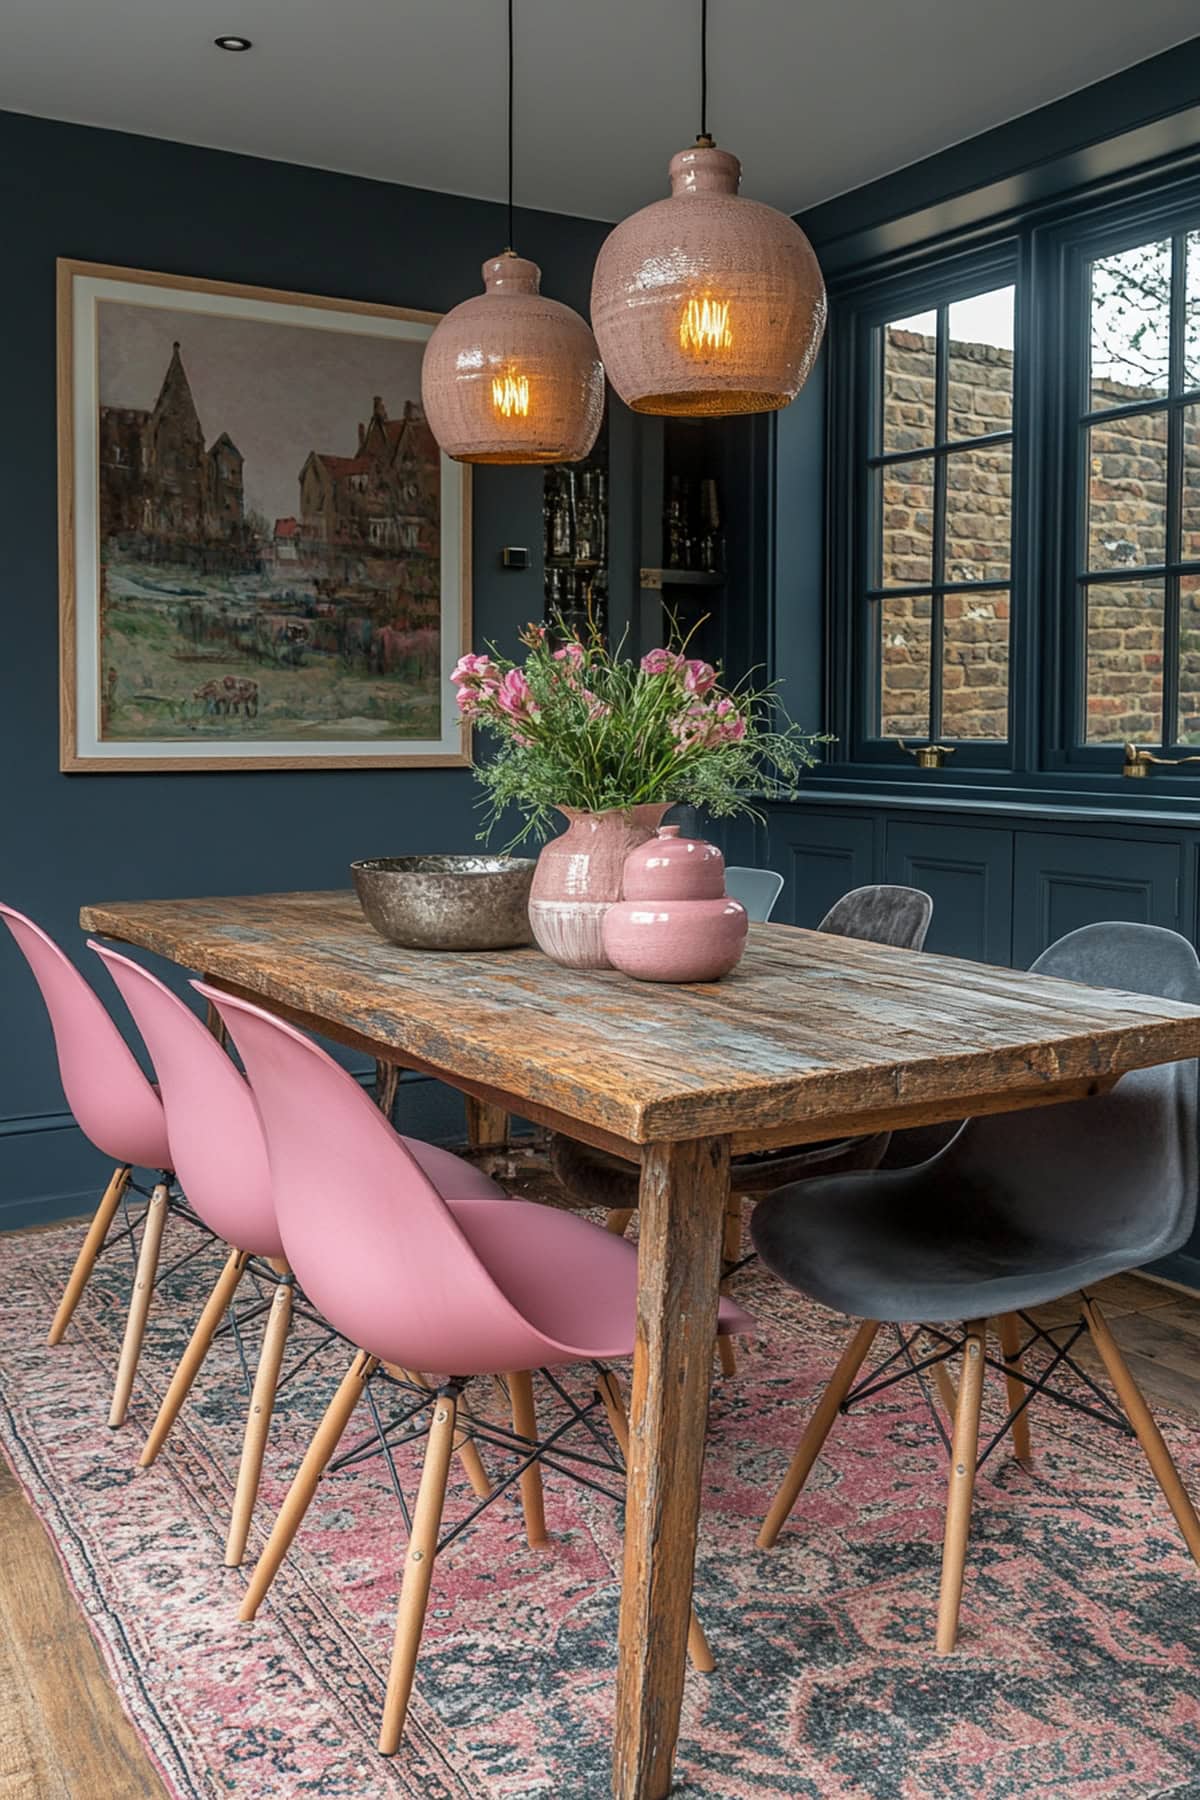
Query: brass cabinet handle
[1138,763]
[932,756]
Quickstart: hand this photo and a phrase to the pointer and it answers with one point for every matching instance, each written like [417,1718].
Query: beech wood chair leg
[325,1442]
[89,1250]
[524,1418]
[258,1420]
[963,1453]
[188,1367]
[617,1220]
[1008,1329]
[731,1251]
[418,1571]
[464,1445]
[840,1383]
[943,1380]
[609,1389]
[1142,1420]
[139,1303]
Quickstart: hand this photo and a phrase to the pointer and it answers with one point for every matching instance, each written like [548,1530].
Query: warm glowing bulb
[510,395]
[704,326]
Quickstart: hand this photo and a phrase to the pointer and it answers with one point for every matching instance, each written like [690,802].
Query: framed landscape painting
[264,559]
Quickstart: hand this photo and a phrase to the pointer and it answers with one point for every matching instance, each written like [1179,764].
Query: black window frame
[859,327]
[1072,249]
[1045,254]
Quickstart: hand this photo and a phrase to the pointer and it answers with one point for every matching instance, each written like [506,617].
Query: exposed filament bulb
[510,395]
[704,325]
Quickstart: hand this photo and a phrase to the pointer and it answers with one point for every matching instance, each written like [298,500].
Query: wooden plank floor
[63,1735]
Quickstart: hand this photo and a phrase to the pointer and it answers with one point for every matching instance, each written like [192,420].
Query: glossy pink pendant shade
[707,303]
[512,377]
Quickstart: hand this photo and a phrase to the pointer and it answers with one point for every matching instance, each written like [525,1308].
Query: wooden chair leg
[963,1452]
[464,1445]
[731,1251]
[617,1221]
[325,1442]
[258,1420]
[840,1383]
[139,1303]
[1141,1418]
[524,1418]
[609,1389]
[1008,1329]
[89,1250]
[943,1380]
[198,1347]
[418,1571]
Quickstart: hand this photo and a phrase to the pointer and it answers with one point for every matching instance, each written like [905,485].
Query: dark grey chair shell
[881,915]
[1020,1208]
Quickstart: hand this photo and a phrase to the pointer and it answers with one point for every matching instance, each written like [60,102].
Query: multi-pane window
[1139,567]
[940,500]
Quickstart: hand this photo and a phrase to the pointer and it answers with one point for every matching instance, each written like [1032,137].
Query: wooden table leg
[487,1126]
[684,1188]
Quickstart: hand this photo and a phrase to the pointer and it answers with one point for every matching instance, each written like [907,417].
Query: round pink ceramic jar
[676,940]
[674,921]
[671,867]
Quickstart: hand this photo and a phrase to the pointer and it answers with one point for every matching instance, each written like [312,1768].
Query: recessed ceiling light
[233,43]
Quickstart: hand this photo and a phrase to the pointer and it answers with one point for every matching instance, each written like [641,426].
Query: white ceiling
[815,96]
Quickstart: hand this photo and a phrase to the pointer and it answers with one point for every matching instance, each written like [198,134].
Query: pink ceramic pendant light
[706,303]
[510,376]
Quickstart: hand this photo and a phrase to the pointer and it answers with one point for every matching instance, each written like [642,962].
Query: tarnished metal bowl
[447,902]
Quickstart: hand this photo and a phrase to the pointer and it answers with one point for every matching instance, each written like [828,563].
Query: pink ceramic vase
[675,922]
[578,878]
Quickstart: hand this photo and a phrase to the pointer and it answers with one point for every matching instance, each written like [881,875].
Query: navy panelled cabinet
[1004,883]
[1064,882]
[969,874]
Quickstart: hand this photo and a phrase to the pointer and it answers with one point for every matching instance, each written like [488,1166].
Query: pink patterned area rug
[1076,1676]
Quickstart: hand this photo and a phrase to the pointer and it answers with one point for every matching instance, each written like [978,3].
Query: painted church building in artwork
[163,494]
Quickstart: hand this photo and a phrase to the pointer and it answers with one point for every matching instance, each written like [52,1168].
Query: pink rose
[661,662]
[472,668]
[698,676]
[514,696]
[571,652]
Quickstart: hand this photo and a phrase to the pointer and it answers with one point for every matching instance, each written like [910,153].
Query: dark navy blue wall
[70,191]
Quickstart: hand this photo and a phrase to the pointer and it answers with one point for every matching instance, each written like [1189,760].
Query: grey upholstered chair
[1020,1209]
[883,915]
[757,889]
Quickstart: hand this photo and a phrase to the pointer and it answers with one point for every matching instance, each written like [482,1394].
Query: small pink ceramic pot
[673,921]
[675,940]
[671,867]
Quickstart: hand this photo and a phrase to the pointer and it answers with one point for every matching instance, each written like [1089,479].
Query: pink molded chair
[469,1287]
[220,1156]
[118,1110]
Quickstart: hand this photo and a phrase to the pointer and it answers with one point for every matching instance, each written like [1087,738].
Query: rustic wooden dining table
[811,1037]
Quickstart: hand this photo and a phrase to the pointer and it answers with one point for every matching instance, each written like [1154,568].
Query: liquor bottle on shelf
[712,544]
[563,518]
[676,525]
[587,527]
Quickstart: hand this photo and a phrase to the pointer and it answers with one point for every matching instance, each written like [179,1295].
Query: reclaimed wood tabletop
[812,1036]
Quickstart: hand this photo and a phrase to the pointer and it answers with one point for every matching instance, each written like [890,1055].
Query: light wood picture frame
[264,560]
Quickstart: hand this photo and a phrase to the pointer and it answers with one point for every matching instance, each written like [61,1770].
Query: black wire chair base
[950,1344]
[408,1426]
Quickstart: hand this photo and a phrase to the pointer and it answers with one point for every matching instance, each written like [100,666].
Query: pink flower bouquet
[581,726]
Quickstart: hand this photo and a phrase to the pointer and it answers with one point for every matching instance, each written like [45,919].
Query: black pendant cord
[510,123]
[704,137]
